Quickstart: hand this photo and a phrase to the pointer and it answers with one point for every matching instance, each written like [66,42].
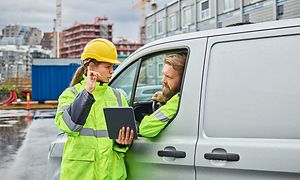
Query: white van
[239,111]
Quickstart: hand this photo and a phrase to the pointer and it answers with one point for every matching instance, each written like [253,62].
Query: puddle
[13,124]
[13,129]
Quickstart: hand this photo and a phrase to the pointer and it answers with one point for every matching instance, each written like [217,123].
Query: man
[152,125]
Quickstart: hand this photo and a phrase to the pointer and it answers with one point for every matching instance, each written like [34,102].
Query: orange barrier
[28,100]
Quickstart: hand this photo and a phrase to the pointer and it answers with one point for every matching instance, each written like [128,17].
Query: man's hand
[91,80]
[158,97]
[125,137]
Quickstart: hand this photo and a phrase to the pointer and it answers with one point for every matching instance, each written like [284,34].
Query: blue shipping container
[49,81]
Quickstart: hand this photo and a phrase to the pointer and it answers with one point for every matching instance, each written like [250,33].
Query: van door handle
[224,157]
[176,154]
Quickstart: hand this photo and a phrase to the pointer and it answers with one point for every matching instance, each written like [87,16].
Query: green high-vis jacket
[152,125]
[88,153]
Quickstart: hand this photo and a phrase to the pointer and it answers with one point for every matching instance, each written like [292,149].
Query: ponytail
[78,75]
[82,70]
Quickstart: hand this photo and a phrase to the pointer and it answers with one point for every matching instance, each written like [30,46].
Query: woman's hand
[91,80]
[125,136]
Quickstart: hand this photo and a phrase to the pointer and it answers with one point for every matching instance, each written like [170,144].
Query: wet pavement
[12,133]
[25,137]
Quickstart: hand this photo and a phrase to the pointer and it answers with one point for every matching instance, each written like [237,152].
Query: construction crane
[141,4]
[57,30]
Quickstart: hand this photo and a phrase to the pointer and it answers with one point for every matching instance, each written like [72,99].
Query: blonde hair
[177,61]
[78,75]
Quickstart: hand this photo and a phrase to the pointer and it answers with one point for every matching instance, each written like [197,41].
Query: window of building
[253,91]
[160,27]
[228,5]
[246,18]
[280,11]
[172,22]
[149,31]
[204,9]
[150,70]
[219,24]
[186,16]
[160,69]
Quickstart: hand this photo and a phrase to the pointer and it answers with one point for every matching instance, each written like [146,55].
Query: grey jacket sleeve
[80,108]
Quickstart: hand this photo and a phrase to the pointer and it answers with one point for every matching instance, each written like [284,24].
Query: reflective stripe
[92,132]
[73,90]
[63,108]
[71,125]
[118,95]
[160,116]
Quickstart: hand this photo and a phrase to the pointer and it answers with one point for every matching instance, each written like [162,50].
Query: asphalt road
[30,162]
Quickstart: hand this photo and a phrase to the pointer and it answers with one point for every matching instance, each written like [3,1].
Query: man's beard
[168,93]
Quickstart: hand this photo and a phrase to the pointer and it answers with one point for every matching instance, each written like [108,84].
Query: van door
[249,122]
[142,160]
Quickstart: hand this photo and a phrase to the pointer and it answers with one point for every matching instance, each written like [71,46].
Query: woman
[88,152]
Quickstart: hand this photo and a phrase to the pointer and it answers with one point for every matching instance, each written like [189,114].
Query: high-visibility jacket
[89,153]
[152,125]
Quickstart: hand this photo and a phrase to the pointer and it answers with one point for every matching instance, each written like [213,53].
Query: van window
[125,82]
[150,76]
[149,79]
[253,89]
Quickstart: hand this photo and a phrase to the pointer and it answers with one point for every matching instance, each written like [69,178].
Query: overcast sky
[40,14]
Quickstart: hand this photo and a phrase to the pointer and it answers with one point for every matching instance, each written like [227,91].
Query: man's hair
[177,61]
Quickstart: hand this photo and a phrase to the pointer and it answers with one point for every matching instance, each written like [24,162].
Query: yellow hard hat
[101,50]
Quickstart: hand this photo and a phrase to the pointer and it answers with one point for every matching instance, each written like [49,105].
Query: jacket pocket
[81,155]
[78,164]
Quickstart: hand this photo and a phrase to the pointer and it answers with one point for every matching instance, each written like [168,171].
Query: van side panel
[249,117]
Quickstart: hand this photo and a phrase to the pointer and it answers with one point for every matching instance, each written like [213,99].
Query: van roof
[229,30]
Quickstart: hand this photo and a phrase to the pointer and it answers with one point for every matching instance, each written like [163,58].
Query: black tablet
[118,117]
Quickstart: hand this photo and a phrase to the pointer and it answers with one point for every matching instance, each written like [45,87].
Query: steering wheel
[155,105]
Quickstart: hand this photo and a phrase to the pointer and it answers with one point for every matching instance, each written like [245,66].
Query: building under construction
[75,38]
[47,40]
[126,47]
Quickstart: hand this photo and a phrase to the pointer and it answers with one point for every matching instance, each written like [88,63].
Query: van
[238,115]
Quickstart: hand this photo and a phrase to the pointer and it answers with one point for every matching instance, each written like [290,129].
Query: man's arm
[152,125]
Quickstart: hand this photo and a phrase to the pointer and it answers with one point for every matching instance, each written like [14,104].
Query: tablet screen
[118,117]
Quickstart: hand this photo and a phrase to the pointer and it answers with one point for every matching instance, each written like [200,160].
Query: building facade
[47,41]
[76,37]
[20,35]
[184,16]
[15,61]
[126,47]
